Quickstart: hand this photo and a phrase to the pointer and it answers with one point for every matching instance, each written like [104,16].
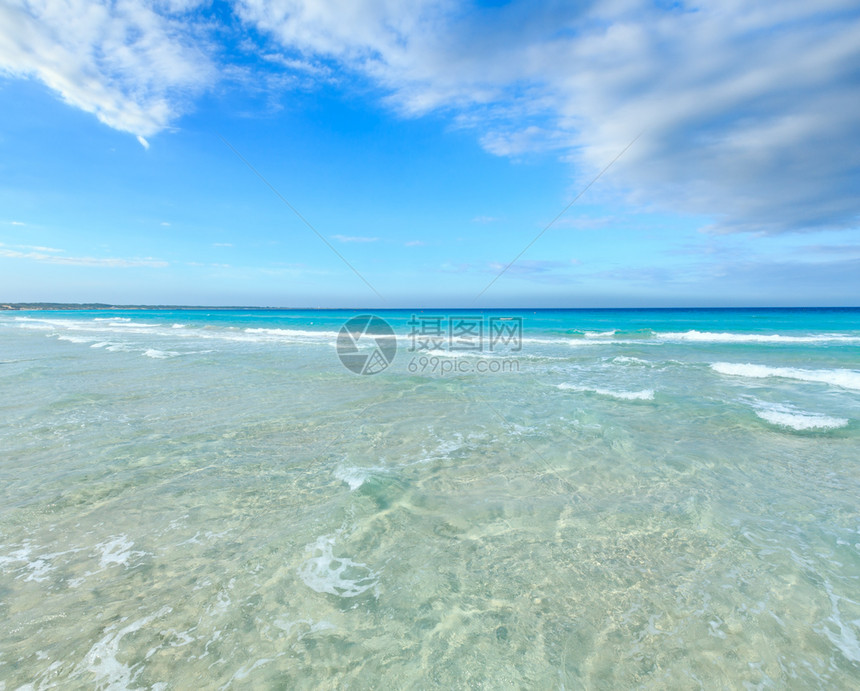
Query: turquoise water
[654,499]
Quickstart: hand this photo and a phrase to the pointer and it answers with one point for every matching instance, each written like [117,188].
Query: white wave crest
[292,334]
[843,378]
[160,354]
[355,477]
[625,359]
[794,418]
[644,395]
[74,339]
[716,337]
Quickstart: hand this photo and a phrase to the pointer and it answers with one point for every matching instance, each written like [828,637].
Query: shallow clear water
[634,499]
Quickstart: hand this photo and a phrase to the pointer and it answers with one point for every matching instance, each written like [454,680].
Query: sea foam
[794,418]
[644,395]
[355,477]
[720,337]
[340,576]
[844,378]
[101,660]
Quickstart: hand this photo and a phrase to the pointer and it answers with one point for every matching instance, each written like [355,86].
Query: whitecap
[74,339]
[643,395]
[717,337]
[354,476]
[629,359]
[291,334]
[160,354]
[794,418]
[844,378]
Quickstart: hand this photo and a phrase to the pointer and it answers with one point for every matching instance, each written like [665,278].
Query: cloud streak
[353,238]
[131,64]
[748,108]
[55,258]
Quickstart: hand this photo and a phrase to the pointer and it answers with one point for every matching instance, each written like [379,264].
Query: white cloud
[143,142]
[40,248]
[513,142]
[529,267]
[130,63]
[353,238]
[414,243]
[114,262]
[222,244]
[748,108]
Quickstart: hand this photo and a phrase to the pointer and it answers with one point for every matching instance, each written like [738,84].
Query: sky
[376,153]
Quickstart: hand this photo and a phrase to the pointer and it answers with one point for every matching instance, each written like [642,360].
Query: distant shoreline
[16,306]
[65,306]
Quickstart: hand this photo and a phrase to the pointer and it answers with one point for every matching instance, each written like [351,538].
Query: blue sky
[429,143]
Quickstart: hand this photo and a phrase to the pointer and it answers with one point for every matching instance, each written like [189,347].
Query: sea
[457,499]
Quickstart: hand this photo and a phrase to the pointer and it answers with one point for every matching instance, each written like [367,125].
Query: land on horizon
[73,306]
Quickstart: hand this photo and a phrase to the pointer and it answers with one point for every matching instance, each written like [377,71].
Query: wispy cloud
[55,258]
[747,109]
[222,244]
[529,139]
[747,114]
[533,267]
[485,219]
[811,252]
[415,243]
[315,69]
[35,248]
[131,64]
[17,223]
[39,248]
[353,238]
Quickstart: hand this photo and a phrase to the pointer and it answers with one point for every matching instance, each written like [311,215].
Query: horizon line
[47,306]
